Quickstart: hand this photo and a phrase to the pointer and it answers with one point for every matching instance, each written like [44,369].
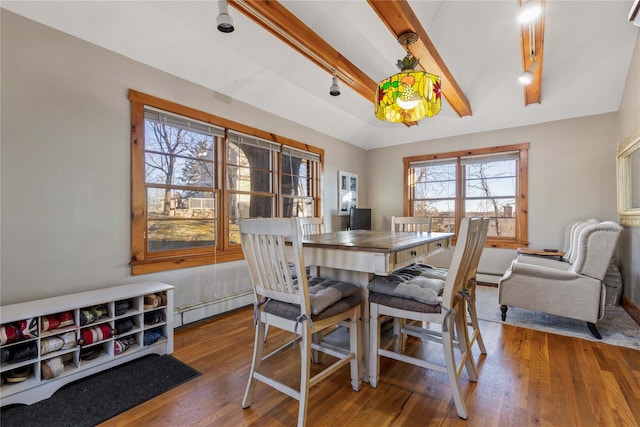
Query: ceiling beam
[400,18]
[280,22]
[532,46]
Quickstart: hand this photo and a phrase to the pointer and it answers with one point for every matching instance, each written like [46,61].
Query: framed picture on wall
[347,192]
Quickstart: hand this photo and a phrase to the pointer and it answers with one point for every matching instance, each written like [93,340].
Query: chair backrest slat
[312,225]
[412,224]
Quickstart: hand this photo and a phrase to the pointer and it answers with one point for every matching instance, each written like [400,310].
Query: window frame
[143,261]
[521,192]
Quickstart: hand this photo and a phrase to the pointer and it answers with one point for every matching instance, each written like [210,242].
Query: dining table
[357,256]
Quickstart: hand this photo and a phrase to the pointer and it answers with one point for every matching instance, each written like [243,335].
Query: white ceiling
[587,52]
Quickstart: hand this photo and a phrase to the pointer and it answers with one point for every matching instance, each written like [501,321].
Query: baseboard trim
[191,313]
[631,308]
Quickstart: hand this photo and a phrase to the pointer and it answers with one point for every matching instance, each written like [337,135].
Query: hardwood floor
[528,378]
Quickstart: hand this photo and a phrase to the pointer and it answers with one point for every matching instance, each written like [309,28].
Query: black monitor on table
[360,219]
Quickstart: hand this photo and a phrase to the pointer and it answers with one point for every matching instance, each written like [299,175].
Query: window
[194,174]
[489,182]
[299,182]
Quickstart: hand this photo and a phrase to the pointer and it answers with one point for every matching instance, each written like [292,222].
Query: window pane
[490,187]
[246,179]
[442,212]
[434,208]
[173,170]
[501,211]
[297,206]
[487,178]
[250,206]
[247,206]
[443,225]
[435,172]
[495,207]
[177,156]
[435,190]
[502,227]
[295,176]
[179,219]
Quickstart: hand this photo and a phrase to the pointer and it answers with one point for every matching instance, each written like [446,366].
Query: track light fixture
[224,20]
[334,90]
[527,76]
[529,11]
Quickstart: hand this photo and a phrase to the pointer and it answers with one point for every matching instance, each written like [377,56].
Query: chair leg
[374,343]
[400,338]
[464,343]
[315,354]
[355,347]
[450,361]
[305,373]
[258,347]
[473,315]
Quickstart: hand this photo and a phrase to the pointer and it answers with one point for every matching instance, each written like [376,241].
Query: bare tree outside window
[179,176]
[490,188]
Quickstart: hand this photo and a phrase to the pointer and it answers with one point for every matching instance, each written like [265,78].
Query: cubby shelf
[101,309]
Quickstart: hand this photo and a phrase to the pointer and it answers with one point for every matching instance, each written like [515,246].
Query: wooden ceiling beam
[400,18]
[280,22]
[532,46]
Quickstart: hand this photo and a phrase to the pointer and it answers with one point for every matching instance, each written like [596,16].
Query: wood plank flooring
[528,378]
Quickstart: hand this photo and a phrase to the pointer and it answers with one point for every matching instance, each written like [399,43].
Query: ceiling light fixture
[224,20]
[334,90]
[529,11]
[527,76]
[409,95]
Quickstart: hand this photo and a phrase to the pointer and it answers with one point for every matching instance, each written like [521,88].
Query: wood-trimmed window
[194,174]
[490,182]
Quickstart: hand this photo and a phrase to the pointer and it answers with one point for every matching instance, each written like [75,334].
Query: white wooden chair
[430,271]
[448,311]
[286,303]
[308,226]
[312,225]
[411,223]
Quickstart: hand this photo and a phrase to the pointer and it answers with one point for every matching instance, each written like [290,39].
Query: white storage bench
[90,331]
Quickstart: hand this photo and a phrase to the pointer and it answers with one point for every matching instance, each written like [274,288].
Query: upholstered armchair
[577,292]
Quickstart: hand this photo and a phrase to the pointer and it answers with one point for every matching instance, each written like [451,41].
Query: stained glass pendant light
[409,95]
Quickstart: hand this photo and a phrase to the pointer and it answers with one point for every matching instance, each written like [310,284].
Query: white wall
[629,124]
[65,167]
[571,176]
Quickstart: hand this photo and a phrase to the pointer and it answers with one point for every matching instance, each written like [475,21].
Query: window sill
[178,262]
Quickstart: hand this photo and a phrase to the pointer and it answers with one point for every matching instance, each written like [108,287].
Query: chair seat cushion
[403,303]
[327,298]
[426,270]
[422,289]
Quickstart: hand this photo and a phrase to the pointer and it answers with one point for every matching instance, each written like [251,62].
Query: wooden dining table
[356,256]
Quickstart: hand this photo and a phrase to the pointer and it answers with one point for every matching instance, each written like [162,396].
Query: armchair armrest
[542,272]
